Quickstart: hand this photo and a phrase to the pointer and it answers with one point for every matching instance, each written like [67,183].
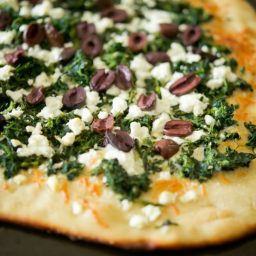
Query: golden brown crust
[225,213]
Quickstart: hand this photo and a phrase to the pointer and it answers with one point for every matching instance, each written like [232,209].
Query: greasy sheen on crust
[227,210]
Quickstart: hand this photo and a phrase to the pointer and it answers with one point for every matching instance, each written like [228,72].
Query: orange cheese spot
[223,179]
[65,191]
[96,188]
[173,185]
[6,186]
[203,190]
[175,209]
[37,177]
[95,214]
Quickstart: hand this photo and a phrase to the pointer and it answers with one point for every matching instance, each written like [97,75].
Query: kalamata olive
[2,122]
[104,4]
[123,77]
[185,84]
[34,34]
[102,80]
[92,46]
[120,140]
[14,58]
[191,35]
[36,96]
[137,41]
[179,128]
[84,29]
[67,54]
[35,1]
[147,102]
[54,37]
[103,125]
[5,20]
[166,148]
[157,57]
[205,55]
[117,15]
[169,30]
[74,98]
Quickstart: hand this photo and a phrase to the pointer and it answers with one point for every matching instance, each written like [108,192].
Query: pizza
[129,122]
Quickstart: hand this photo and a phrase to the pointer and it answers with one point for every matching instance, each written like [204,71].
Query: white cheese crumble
[19,179]
[195,136]
[189,196]
[68,139]
[167,197]
[141,68]
[52,108]
[114,91]
[164,175]
[102,115]
[162,72]
[103,24]
[16,112]
[46,9]
[126,205]
[53,183]
[25,10]
[6,37]
[98,63]
[43,80]
[91,159]
[158,125]
[138,221]
[77,208]
[76,125]
[122,39]
[6,72]
[219,75]
[198,153]
[119,104]
[138,132]
[177,52]
[92,99]
[151,212]
[134,112]
[191,103]
[38,144]
[85,114]
[128,161]
[167,101]
[178,140]
[154,18]
[191,57]
[16,143]
[49,57]
[12,3]
[17,96]
[209,120]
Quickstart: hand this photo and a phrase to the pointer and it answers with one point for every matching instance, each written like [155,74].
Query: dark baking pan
[17,241]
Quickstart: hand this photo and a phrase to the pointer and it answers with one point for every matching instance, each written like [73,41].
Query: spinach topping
[119,181]
[80,69]
[214,161]
[252,134]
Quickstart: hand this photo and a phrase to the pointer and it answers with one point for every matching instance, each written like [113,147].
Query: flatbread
[225,206]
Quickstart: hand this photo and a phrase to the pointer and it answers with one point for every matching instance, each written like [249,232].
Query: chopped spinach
[115,54]
[252,134]
[71,169]
[129,187]
[80,69]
